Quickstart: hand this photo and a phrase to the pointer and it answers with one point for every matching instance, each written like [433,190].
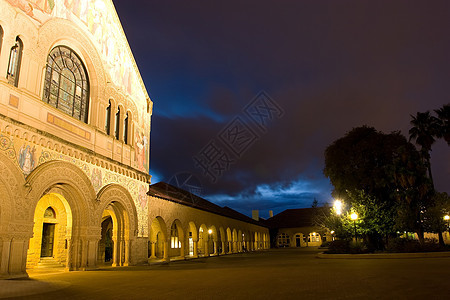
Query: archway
[212,241]
[176,239]
[193,240]
[223,241]
[229,241]
[106,243]
[203,240]
[117,219]
[52,232]
[235,241]
[240,241]
[158,239]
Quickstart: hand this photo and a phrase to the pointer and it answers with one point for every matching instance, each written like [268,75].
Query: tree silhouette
[424,132]
[444,122]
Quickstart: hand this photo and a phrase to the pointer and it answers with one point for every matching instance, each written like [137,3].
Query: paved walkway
[273,274]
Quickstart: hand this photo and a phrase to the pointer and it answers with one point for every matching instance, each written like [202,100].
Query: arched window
[66,83]
[49,213]
[108,119]
[15,57]
[125,129]
[174,241]
[117,127]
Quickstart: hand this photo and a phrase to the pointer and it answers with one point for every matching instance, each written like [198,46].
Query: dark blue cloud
[331,66]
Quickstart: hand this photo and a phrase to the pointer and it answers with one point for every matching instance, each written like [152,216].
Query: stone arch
[229,241]
[177,240]
[240,241]
[116,201]
[192,236]
[158,239]
[213,240]
[203,240]
[13,236]
[57,226]
[12,185]
[69,178]
[234,236]
[70,182]
[223,240]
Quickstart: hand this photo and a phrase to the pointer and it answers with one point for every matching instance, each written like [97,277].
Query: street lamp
[354,216]
[447,218]
[338,207]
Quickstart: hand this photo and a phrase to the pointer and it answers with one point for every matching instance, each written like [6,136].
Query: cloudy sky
[248,94]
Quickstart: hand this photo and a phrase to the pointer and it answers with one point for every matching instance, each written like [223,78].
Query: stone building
[297,228]
[74,148]
[185,225]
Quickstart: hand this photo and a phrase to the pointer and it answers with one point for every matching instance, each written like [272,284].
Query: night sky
[324,67]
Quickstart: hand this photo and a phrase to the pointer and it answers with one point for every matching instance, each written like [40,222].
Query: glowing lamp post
[338,207]
[447,218]
[354,216]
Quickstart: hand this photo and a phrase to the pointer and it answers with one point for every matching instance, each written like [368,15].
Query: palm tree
[444,120]
[425,129]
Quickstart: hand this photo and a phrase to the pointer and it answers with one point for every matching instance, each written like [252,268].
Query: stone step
[49,262]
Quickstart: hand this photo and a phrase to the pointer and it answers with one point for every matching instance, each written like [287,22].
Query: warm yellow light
[338,207]
[354,216]
[210,231]
[332,232]
[446,217]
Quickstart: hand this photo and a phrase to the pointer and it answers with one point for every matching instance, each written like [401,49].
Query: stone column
[223,248]
[69,258]
[127,244]
[166,251]
[206,247]
[16,261]
[92,253]
[195,249]
[215,247]
[4,260]
[153,250]
[115,262]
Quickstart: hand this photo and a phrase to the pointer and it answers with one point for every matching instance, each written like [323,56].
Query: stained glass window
[66,83]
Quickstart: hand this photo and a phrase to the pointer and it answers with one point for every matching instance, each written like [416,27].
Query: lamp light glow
[354,216]
[338,207]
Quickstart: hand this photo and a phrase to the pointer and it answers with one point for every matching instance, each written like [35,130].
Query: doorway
[48,236]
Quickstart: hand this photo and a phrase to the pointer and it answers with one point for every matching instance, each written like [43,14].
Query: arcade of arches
[181,229]
[55,218]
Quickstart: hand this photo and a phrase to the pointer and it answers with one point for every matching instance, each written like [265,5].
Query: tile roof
[171,193]
[300,217]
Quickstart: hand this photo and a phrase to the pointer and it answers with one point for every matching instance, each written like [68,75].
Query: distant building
[297,228]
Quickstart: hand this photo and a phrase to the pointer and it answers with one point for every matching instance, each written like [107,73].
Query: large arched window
[15,57]
[66,83]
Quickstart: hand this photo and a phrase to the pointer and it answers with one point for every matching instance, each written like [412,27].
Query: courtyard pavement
[271,274]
